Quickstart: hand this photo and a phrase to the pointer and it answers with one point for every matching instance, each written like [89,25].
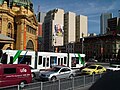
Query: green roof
[1,2]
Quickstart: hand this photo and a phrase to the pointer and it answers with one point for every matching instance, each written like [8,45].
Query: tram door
[46,62]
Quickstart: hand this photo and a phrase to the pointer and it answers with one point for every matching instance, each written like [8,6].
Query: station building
[18,25]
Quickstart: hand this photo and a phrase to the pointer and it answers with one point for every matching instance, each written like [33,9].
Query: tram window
[11,59]
[58,61]
[53,60]
[61,61]
[24,60]
[77,60]
[40,60]
[4,58]
[47,62]
[44,59]
[73,62]
[65,60]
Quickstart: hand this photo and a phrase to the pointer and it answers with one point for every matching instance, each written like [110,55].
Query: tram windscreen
[24,60]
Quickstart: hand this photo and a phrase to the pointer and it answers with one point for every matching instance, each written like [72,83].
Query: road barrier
[63,84]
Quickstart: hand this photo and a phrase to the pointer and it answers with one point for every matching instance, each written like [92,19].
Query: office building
[103,22]
[40,18]
[114,25]
[69,27]
[81,27]
[53,29]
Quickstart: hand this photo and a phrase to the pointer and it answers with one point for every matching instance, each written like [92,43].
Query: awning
[5,38]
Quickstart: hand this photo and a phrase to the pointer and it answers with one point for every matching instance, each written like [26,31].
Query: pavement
[85,87]
[109,81]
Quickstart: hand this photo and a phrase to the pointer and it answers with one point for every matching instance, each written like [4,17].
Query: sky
[90,8]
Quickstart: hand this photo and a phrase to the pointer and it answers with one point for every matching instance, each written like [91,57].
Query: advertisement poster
[58,30]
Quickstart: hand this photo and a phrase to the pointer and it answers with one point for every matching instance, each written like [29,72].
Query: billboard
[58,30]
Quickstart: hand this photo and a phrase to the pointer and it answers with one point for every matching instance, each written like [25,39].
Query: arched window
[30,45]
[9,32]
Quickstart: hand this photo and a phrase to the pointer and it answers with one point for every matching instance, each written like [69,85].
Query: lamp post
[82,42]
[53,42]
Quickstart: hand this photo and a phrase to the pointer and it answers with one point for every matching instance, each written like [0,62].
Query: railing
[69,84]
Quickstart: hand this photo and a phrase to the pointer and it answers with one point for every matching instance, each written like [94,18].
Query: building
[53,29]
[81,27]
[114,25]
[69,31]
[102,47]
[40,18]
[18,21]
[69,27]
[104,22]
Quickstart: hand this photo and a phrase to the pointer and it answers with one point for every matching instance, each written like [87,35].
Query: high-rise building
[81,27]
[53,29]
[114,25]
[69,27]
[103,22]
[40,18]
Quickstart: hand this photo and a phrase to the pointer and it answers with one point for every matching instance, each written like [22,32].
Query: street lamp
[53,42]
[82,42]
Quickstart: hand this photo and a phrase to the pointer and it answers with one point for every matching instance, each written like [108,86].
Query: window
[61,61]
[11,59]
[44,59]
[65,60]
[58,61]
[9,70]
[53,60]
[24,60]
[65,70]
[40,60]
[99,67]
[9,32]
[47,62]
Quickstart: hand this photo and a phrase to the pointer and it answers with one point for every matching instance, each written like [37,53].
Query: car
[15,74]
[113,67]
[35,73]
[93,69]
[56,73]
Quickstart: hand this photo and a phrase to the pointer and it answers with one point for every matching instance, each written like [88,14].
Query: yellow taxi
[93,69]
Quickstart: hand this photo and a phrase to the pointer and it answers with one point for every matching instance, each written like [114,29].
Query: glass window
[65,60]
[99,67]
[24,59]
[9,70]
[40,60]
[47,62]
[44,59]
[61,61]
[11,59]
[53,60]
[58,61]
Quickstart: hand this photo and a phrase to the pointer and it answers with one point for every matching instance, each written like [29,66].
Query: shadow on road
[109,81]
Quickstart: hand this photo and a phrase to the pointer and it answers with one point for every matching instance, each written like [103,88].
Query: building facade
[53,29]
[40,18]
[69,27]
[18,21]
[104,22]
[81,27]
[114,25]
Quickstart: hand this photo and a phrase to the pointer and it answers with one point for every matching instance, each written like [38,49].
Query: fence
[69,84]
